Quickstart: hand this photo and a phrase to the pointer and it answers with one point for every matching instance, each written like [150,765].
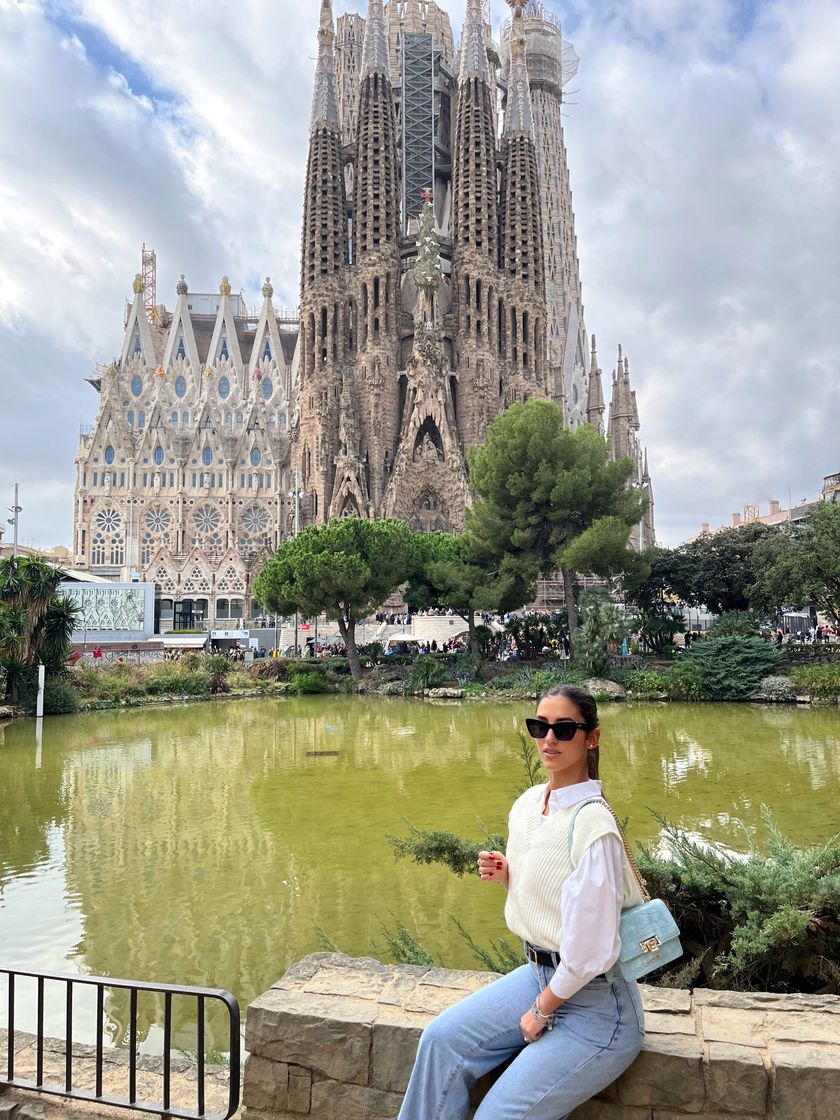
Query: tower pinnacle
[519,117]
[375,49]
[473,47]
[324,99]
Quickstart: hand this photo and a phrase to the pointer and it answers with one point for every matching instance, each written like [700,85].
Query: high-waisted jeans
[597,1035]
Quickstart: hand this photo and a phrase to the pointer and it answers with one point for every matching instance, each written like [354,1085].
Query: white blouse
[590,902]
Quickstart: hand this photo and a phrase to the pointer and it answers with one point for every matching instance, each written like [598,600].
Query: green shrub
[780,689]
[681,682]
[730,668]
[169,678]
[644,681]
[737,624]
[60,697]
[309,683]
[822,681]
[750,922]
[426,672]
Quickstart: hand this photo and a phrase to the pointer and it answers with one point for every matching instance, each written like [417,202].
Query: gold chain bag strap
[650,938]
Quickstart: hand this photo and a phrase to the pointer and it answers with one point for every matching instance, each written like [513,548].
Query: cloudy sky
[704,144]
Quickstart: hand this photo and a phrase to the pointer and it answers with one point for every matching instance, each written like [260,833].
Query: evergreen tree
[549,499]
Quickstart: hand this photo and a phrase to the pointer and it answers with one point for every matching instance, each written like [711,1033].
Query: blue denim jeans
[597,1035]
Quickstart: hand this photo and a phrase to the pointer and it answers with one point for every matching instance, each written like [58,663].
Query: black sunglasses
[564,729]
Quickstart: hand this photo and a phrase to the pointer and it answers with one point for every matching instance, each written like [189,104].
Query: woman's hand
[531,1027]
[493,867]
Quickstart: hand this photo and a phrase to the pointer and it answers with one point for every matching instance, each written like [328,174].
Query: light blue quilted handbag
[649,935]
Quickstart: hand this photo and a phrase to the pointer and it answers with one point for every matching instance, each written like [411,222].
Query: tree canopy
[799,564]
[346,569]
[451,571]
[36,621]
[549,498]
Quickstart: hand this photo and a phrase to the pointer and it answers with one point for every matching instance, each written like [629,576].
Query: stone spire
[519,117]
[475,211]
[375,49]
[324,100]
[473,46]
[376,181]
[324,248]
[595,406]
[521,218]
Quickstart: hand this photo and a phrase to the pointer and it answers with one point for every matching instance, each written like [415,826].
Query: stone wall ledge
[335,1038]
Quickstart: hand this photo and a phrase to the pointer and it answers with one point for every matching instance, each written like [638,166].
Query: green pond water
[204,844]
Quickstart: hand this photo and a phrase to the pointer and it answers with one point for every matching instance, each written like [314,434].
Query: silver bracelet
[547,1019]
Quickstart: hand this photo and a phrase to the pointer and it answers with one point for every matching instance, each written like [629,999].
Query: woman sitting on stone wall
[570,1029]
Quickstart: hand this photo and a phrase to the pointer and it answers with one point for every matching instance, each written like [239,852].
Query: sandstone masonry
[335,1039]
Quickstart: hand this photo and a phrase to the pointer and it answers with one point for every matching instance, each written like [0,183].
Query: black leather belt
[546,959]
[541,956]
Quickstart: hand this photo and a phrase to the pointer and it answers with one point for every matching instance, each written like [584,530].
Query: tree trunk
[475,648]
[571,605]
[348,633]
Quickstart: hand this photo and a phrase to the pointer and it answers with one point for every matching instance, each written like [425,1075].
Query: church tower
[552,63]
[323,304]
[521,248]
[376,255]
[477,300]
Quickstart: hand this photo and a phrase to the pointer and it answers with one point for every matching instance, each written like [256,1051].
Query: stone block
[329,1035]
[605,1110]
[806,1083]
[395,1039]
[676,1000]
[667,1074]
[765,1001]
[31,1111]
[8,1107]
[741,1028]
[332,1100]
[803,1028]
[660,1022]
[264,1083]
[659,1114]
[300,1089]
[736,1080]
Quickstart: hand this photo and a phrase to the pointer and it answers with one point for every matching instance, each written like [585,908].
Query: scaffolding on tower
[149,274]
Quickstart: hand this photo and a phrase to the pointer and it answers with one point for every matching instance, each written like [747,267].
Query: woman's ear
[593,739]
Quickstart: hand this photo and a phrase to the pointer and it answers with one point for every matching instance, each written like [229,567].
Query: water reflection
[204,844]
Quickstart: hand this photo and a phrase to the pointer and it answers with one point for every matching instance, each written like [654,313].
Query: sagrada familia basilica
[439,285]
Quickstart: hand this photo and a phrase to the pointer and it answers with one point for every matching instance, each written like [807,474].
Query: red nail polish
[498,866]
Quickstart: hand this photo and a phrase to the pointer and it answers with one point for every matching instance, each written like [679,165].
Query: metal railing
[165,1107]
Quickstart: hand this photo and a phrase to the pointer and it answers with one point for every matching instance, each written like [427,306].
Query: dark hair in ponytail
[587,707]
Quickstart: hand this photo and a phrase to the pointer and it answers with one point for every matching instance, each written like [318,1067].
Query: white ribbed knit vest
[538,856]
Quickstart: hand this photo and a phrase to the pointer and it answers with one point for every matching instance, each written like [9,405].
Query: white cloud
[704,151]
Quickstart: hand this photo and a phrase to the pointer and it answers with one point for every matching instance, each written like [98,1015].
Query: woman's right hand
[493,867]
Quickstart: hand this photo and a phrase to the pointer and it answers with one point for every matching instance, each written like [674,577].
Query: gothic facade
[439,285]
[184,478]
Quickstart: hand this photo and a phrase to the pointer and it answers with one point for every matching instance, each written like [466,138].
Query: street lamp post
[297,496]
[15,511]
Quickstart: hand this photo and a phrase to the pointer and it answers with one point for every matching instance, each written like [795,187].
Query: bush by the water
[782,690]
[752,923]
[309,683]
[730,668]
[60,698]
[644,682]
[427,672]
[822,681]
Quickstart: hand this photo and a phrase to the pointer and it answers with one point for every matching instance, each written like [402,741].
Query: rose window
[207,519]
[255,521]
[158,520]
[108,520]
